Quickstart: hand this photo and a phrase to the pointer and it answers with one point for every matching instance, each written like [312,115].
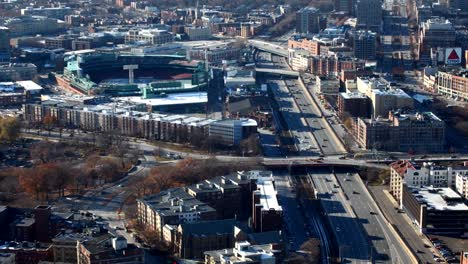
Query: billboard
[453,56]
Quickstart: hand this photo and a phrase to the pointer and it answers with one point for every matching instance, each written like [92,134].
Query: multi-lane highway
[386,247]
[302,136]
[317,124]
[304,118]
[353,243]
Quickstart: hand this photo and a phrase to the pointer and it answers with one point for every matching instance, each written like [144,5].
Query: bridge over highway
[282,72]
[268,47]
[311,162]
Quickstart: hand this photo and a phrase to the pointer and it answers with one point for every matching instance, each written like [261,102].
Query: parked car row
[444,251]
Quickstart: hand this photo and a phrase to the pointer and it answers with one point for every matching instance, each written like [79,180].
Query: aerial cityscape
[233,132]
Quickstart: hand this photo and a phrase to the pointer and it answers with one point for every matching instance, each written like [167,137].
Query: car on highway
[373,213]
[354,192]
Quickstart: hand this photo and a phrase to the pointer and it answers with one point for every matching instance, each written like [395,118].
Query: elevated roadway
[280,72]
[269,47]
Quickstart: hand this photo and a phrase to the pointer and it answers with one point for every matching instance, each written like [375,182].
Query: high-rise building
[458,4]
[369,14]
[308,20]
[4,45]
[435,33]
[344,6]
[365,43]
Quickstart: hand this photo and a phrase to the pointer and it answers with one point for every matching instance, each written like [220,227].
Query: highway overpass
[280,72]
[268,47]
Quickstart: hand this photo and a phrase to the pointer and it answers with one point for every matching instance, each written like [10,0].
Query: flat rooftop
[354,95]
[268,195]
[439,198]
[170,99]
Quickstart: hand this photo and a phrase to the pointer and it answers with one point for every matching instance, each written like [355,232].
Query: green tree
[10,129]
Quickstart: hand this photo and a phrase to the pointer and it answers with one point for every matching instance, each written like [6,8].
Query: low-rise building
[131,122]
[453,83]
[267,214]
[214,54]
[428,174]
[192,240]
[243,252]
[149,36]
[198,33]
[172,207]
[299,59]
[17,72]
[105,248]
[327,85]
[385,100]
[231,131]
[414,132]
[461,184]
[354,105]
[312,46]
[436,210]
[31,25]
[52,12]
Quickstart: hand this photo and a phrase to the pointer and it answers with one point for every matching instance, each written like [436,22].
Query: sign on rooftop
[452,56]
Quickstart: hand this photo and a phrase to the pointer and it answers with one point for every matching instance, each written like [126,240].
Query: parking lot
[449,248]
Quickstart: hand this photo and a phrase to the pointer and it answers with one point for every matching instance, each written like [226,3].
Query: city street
[408,233]
[293,219]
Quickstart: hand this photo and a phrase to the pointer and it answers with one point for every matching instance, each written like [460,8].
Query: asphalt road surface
[353,242]
[385,245]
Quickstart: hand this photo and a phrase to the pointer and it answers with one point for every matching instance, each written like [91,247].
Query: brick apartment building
[419,132]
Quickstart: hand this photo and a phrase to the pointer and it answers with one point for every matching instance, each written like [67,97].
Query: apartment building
[198,33]
[173,128]
[333,65]
[310,45]
[354,104]
[17,72]
[149,36]
[267,214]
[52,12]
[426,174]
[214,54]
[193,239]
[327,84]
[461,184]
[31,25]
[406,132]
[172,207]
[299,59]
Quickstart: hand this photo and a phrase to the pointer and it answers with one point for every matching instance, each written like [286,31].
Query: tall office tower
[458,4]
[308,20]
[369,15]
[4,45]
[365,43]
[345,6]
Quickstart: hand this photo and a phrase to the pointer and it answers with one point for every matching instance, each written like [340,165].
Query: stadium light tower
[130,69]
